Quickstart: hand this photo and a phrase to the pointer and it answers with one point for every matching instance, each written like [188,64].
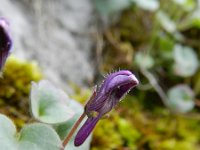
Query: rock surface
[57,34]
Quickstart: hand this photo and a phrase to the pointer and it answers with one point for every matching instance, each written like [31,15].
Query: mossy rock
[15,86]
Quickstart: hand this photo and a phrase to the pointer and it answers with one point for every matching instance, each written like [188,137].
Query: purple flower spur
[104,99]
[5,41]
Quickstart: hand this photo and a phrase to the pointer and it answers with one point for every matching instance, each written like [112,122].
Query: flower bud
[104,99]
[5,41]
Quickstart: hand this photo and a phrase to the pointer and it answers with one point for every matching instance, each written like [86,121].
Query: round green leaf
[49,104]
[110,7]
[32,137]
[24,145]
[7,134]
[144,60]
[40,137]
[181,98]
[150,5]
[186,61]
[166,22]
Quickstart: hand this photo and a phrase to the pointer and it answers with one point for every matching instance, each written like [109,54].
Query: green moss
[119,55]
[106,136]
[173,144]
[15,87]
[131,127]
[115,132]
[130,135]
[82,95]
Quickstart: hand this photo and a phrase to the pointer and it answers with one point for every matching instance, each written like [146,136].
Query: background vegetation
[159,41]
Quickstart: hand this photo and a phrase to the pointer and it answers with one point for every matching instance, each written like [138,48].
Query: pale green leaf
[49,104]
[181,98]
[186,61]
[150,5]
[7,134]
[168,24]
[39,136]
[32,137]
[110,7]
[144,60]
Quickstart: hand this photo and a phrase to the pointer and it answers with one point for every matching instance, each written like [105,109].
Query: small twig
[197,103]
[192,42]
[145,87]
[99,46]
[75,126]
[155,85]
[112,41]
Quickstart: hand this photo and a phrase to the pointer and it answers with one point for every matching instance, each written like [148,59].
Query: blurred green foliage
[133,127]
[15,86]
[159,41]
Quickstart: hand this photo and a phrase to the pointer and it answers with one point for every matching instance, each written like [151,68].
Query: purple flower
[104,99]
[5,41]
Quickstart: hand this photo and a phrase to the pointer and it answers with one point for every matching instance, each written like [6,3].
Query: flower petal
[5,41]
[85,130]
